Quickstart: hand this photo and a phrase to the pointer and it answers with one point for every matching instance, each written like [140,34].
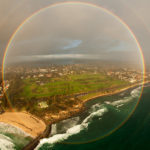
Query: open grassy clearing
[68,85]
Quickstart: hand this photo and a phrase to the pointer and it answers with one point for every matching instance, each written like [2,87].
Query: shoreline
[113,93]
[36,141]
[74,111]
[32,124]
[28,123]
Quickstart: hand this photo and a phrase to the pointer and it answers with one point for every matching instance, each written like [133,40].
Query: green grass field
[41,96]
[68,85]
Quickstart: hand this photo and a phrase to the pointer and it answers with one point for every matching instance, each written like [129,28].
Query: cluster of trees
[55,103]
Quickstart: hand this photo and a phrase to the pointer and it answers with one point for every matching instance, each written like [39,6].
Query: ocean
[98,127]
[106,124]
[12,138]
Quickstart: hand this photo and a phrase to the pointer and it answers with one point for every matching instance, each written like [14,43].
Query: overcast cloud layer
[82,31]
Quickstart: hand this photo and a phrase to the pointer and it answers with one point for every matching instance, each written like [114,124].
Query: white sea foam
[121,102]
[134,93]
[6,143]
[64,125]
[97,113]
[97,110]
[107,102]
[6,128]
[73,130]
[96,107]
[53,129]
[119,105]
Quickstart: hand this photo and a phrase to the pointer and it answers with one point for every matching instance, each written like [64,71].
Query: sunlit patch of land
[68,85]
[56,92]
[50,97]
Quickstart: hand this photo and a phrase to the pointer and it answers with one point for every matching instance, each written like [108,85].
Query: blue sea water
[102,116]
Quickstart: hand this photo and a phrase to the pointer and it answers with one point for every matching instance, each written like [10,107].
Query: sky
[75,31]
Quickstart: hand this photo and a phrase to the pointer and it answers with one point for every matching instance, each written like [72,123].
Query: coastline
[36,141]
[78,108]
[114,92]
[25,121]
[45,129]
[35,126]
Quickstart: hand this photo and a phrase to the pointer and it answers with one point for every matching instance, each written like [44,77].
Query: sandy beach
[25,121]
[35,126]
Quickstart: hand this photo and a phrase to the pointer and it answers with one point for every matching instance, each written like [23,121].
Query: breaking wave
[6,143]
[6,128]
[66,124]
[73,126]
[8,134]
[134,94]
[74,129]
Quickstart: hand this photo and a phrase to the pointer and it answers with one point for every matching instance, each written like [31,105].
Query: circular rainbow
[85,4]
